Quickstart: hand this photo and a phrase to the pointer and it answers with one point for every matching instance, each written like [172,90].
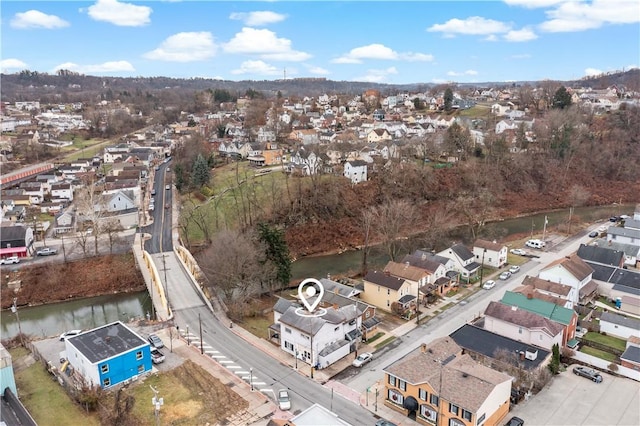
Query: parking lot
[575,400]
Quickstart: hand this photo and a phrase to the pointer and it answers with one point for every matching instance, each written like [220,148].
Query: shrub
[613,367]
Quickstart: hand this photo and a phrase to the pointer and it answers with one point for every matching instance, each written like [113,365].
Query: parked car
[538,244]
[587,372]
[9,260]
[514,268]
[581,331]
[47,251]
[167,187]
[284,402]
[153,192]
[69,333]
[519,252]
[362,359]
[614,219]
[155,341]
[489,284]
[505,275]
[515,421]
[593,234]
[383,422]
[156,356]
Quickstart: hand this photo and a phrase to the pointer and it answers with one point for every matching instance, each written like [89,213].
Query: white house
[623,235]
[117,202]
[522,325]
[490,253]
[574,272]
[355,171]
[619,325]
[62,191]
[317,340]
[464,260]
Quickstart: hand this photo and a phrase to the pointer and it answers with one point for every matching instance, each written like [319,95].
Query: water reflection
[54,319]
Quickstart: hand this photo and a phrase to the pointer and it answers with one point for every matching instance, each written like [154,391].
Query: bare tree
[391,219]
[367,221]
[111,227]
[92,206]
[475,208]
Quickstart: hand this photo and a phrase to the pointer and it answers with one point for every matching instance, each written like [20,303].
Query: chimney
[529,296]
[387,273]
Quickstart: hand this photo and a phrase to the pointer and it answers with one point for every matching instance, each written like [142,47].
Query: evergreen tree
[276,251]
[200,173]
[448,99]
[562,98]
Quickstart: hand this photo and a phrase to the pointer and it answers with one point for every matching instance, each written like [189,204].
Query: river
[56,318]
[350,262]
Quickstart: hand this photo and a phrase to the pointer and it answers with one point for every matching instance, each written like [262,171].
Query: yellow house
[439,385]
[381,289]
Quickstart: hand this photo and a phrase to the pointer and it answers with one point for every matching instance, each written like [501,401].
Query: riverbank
[58,282]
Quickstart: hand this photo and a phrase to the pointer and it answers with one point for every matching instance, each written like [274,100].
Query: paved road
[455,317]
[160,229]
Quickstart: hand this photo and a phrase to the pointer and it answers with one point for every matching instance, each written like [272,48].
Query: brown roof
[464,382]
[529,291]
[549,286]
[523,318]
[405,270]
[588,289]
[385,280]
[489,245]
[576,266]
[417,261]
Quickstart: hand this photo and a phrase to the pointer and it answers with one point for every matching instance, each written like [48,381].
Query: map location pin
[313,287]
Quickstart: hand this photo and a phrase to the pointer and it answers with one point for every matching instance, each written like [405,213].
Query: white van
[538,244]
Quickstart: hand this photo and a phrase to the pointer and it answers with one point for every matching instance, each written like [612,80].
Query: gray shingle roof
[632,353]
[107,341]
[620,320]
[602,255]
[523,318]
[462,251]
[380,278]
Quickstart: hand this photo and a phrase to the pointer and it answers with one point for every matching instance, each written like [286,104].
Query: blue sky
[382,41]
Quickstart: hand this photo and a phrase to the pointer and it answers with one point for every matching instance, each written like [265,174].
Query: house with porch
[317,340]
[464,261]
[436,384]
[490,253]
[439,280]
[574,272]
[384,291]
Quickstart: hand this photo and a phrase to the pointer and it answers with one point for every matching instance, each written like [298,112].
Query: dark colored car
[155,341]
[589,373]
[593,234]
[515,421]
[383,422]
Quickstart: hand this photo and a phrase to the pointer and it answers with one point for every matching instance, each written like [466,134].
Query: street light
[482,266]
[188,339]
[251,378]
[14,309]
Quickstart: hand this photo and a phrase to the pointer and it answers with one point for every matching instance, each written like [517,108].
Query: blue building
[7,379]
[109,355]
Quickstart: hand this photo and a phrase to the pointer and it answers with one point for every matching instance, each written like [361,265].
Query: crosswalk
[249,376]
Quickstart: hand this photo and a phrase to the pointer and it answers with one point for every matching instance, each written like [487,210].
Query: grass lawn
[46,400]
[598,353]
[258,325]
[610,341]
[385,342]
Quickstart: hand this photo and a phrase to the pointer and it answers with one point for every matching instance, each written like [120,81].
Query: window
[466,415]
[540,337]
[388,291]
[402,385]
[337,328]
[287,330]
[396,397]
[392,380]
[139,355]
[429,413]
[106,382]
[104,368]
[140,369]
[288,346]
[387,302]
[367,314]
[520,330]
[455,422]
[422,394]
[453,409]
[434,400]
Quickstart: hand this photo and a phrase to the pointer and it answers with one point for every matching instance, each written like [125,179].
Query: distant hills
[28,85]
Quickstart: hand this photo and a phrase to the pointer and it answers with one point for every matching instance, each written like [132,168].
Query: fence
[604,365]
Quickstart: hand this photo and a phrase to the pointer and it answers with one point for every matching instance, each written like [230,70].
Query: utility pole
[201,347]
[482,266]
[166,285]
[418,306]
[157,403]
[14,309]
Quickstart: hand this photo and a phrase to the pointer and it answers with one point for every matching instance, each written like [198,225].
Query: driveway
[575,400]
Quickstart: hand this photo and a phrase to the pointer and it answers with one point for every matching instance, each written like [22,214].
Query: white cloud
[37,19]
[264,43]
[256,68]
[185,47]
[105,67]
[579,16]
[533,4]
[464,73]
[524,34]
[258,18]
[474,25]
[318,70]
[121,14]
[592,71]
[377,75]
[379,52]
[7,65]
